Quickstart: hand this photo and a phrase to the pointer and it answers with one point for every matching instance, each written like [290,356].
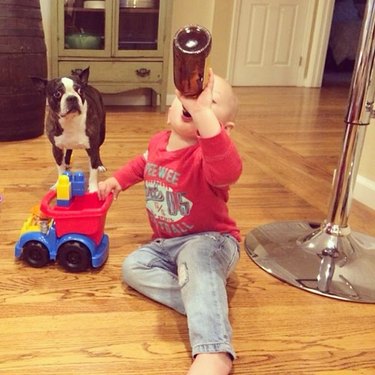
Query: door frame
[315,42]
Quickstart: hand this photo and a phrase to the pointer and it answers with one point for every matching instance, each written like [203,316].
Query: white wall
[45,7]
[365,186]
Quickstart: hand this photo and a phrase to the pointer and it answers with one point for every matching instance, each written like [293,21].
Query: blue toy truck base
[38,249]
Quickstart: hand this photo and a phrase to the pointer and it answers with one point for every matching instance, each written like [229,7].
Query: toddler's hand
[202,111]
[108,186]
[203,101]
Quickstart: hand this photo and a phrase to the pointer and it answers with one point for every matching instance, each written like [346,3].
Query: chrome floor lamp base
[314,258]
[329,259]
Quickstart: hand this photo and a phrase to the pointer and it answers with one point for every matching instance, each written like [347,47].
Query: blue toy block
[63,202]
[78,184]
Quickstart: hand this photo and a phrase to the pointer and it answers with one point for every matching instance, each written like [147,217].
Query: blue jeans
[189,274]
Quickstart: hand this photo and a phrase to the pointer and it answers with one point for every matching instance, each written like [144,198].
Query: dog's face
[65,95]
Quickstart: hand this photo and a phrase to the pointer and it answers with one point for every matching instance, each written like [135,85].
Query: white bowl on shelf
[94,4]
[137,3]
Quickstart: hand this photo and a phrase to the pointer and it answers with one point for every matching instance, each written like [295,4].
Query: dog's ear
[40,84]
[84,76]
[76,72]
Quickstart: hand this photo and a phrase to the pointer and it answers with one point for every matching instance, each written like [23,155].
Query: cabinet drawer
[116,71]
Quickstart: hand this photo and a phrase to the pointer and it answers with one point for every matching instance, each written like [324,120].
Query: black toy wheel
[35,254]
[74,256]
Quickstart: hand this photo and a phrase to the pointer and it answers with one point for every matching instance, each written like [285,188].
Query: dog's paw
[102,168]
[93,188]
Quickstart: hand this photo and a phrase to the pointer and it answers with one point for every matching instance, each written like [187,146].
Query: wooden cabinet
[126,43]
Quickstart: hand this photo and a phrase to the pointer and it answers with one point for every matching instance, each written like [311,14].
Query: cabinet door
[139,28]
[84,27]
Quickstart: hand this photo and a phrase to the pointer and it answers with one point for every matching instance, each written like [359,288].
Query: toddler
[187,171]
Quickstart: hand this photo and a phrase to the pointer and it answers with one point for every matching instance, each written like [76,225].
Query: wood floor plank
[53,322]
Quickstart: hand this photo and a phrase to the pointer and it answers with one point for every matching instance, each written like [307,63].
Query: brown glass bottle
[191,47]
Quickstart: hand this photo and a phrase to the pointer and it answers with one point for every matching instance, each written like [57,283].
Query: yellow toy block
[63,189]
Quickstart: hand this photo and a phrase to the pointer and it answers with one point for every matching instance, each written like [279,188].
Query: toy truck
[68,227]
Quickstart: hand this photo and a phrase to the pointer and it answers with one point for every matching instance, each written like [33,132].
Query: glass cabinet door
[85,27]
[138,27]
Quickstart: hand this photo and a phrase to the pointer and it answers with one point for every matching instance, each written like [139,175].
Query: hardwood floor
[54,322]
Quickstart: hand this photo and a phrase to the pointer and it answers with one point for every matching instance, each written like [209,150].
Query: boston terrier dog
[75,120]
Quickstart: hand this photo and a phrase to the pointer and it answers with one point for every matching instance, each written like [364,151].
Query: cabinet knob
[143,72]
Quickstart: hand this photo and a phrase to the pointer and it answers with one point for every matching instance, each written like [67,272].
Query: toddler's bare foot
[211,364]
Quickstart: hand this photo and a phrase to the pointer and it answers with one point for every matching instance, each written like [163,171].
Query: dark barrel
[22,55]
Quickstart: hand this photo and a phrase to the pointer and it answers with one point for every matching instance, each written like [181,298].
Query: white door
[269,42]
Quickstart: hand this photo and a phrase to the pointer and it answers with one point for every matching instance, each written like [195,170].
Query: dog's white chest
[74,134]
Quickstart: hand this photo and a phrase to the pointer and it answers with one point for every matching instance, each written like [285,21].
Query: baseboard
[170,98]
[139,97]
[136,97]
[364,191]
